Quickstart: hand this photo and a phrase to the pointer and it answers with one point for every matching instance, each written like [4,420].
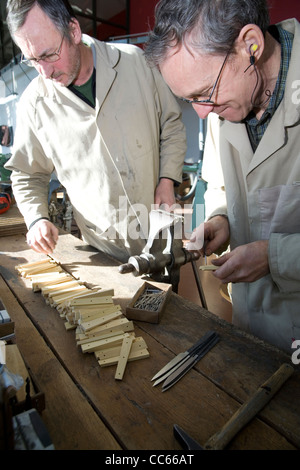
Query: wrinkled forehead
[37,34]
[184,70]
[37,25]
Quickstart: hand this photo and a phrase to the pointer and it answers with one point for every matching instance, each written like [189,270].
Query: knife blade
[184,355]
[187,365]
[169,372]
[202,343]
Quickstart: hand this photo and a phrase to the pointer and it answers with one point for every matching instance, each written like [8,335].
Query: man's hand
[210,236]
[164,194]
[43,236]
[246,263]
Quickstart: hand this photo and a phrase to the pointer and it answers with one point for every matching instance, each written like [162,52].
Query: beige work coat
[109,158]
[262,201]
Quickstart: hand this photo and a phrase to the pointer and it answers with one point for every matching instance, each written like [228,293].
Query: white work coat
[260,194]
[109,158]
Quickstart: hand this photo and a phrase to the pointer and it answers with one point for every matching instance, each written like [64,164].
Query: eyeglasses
[50,58]
[208,100]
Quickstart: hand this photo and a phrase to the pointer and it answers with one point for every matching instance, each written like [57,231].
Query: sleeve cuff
[35,221]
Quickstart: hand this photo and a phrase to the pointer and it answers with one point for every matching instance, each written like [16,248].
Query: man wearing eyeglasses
[224,58]
[100,118]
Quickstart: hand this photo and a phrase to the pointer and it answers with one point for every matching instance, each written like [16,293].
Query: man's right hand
[209,236]
[43,236]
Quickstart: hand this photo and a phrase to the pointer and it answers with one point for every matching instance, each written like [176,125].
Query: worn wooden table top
[86,408]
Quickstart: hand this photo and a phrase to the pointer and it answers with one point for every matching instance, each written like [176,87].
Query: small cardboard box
[149,302]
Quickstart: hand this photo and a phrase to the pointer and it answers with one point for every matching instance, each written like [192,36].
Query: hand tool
[162,256]
[242,416]
[183,362]
[186,366]
[183,356]
[186,441]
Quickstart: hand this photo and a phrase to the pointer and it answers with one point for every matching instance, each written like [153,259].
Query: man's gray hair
[212,25]
[59,11]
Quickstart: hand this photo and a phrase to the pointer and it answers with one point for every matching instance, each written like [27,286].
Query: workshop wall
[105,31]
[142,12]
[141,15]
[280,10]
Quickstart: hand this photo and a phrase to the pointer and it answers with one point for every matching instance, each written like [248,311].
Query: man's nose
[203,110]
[44,68]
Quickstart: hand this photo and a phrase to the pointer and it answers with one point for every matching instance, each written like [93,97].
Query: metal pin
[204,248]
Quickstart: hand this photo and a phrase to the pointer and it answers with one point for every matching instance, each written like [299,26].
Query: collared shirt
[256,128]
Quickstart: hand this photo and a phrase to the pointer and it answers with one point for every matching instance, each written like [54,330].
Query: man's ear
[250,42]
[75,31]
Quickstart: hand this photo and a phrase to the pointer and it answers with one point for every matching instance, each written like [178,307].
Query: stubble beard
[74,72]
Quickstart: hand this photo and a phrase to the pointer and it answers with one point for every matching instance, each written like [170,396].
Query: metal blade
[185,440]
[184,355]
[178,373]
[187,365]
[196,349]
[170,371]
[170,366]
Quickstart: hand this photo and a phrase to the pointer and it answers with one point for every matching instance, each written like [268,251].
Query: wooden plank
[123,358]
[111,356]
[62,286]
[48,269]
[86,312]
[121,324]
[95,301]
[138,344]
[79,319]
[97,293]
[43,266]
[34,264]
[89,325]
[39,281]
[103,343]
[133,356]
[208,267]
[71,293]
[67,411]
[89,340]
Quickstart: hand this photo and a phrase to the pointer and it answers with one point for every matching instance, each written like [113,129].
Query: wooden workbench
[86,408]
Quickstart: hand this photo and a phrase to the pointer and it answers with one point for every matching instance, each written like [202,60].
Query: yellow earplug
[254,47]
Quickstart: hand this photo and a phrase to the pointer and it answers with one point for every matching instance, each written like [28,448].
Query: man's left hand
[246,263]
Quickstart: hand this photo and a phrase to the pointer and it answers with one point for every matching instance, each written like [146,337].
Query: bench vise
[164,253]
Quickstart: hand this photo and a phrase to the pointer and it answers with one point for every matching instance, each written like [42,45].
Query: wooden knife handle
[250,408]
